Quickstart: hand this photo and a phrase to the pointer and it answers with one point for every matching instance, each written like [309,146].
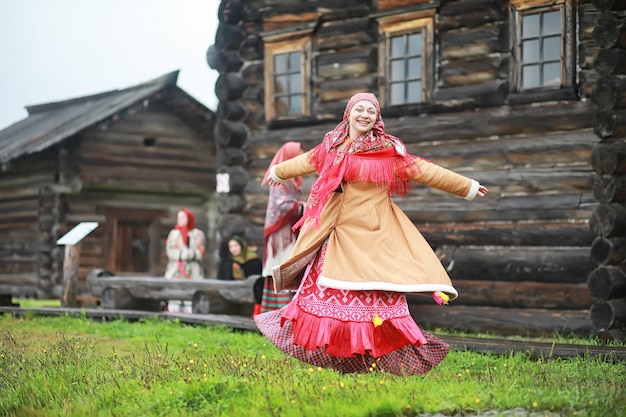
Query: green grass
[66,366]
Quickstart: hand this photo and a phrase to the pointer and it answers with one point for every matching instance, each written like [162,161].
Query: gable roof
[50,123]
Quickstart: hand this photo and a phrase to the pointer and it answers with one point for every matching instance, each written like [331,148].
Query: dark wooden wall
[524,248]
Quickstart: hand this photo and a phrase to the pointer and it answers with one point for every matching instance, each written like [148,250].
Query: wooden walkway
[483,345]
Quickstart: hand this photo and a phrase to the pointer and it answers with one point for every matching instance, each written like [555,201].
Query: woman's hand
[271,182]
[482,191]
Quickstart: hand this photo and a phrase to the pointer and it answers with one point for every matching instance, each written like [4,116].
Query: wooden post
[70,276]
[71,240]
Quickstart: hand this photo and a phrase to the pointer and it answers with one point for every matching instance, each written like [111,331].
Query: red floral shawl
[373,157]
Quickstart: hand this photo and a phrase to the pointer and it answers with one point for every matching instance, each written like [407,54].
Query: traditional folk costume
[357,256]
[185,247]
[283,211]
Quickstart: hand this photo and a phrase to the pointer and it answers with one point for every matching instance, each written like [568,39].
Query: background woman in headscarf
[284,209]
[358,254]
[185,247]
[245,260]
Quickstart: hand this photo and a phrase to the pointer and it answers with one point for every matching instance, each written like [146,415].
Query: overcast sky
[52,50]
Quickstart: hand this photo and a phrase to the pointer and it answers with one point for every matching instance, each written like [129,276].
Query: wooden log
[605,251]
[231,11]
[70,275]
[229,87]
[470,43]
[223,61]
[519,295]
[608,220]
[346,34]
[331,10]
[610,62]
[251,48]
[609,32]
[608,314]
[230,110]
[254,75]
[606,282]
[335,64]
[609,189]
[207,302]
[231,203]
[610,124]
[535,233]
[461,15]
[122,299]
[548,264]
[231,156]
[603,5]
[503,321]
[230,134]
[609,158]
[118,292]
[488,93]
[228,37]
[610,92]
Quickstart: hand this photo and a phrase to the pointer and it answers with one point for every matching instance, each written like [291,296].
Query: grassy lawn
[64,366]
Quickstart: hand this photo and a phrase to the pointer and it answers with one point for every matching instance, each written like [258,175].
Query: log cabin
[127,159]
[525,96]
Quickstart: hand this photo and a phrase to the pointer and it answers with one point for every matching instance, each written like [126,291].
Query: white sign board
[77,233]
[223,183]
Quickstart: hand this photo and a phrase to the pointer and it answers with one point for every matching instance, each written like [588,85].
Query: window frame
[280,45]
[521,8]
[406,24]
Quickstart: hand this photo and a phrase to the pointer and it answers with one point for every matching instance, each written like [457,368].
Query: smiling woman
[358,254]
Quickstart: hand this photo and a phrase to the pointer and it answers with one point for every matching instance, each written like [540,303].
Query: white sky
[52,50]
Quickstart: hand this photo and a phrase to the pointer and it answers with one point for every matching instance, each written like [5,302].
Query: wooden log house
[128,159]
[500,90]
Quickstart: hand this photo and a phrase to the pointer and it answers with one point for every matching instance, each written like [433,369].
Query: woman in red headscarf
[284,209]
[358,254]
[185,246]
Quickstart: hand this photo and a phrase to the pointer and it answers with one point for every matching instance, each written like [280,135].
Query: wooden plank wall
[28,214]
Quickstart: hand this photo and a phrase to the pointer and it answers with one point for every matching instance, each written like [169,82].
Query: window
[406,58]
[543,53]
[287,66]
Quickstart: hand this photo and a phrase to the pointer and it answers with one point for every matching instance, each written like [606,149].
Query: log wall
[525,246]
[607,282]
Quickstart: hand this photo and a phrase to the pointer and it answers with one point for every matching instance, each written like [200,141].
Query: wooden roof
[50,123]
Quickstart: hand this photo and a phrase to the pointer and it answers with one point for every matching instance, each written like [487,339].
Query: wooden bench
[207,296]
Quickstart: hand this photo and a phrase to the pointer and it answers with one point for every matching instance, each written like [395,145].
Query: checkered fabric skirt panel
[408,360]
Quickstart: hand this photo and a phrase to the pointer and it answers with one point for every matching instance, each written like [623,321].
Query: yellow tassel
[377,320]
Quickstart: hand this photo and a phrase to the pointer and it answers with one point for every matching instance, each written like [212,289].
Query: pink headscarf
[382,159]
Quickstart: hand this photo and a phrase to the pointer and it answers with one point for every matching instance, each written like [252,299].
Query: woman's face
[362,117]
[234,247]
[182,219]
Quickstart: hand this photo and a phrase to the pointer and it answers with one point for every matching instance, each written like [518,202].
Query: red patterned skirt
[336,329]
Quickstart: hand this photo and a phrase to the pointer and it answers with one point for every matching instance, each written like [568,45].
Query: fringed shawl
[374,157]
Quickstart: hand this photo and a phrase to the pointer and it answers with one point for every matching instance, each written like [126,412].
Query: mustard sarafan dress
[356,257]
